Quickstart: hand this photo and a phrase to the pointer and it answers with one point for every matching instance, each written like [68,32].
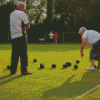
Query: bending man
[93,38]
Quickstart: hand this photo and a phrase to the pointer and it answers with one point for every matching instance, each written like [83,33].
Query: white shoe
[90,68]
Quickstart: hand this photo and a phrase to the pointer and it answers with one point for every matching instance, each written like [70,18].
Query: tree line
[61,15]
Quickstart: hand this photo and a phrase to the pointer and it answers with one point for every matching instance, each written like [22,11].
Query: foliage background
[62,16]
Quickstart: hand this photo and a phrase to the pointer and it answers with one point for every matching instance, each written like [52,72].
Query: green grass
[48,83]
[60,47]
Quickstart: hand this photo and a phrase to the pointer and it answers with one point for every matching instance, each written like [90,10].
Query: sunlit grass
[47,83]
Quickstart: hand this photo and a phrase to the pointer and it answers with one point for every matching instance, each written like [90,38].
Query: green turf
[60,47]
[48,83]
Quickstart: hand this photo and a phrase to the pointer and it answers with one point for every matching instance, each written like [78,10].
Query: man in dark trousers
[18,25]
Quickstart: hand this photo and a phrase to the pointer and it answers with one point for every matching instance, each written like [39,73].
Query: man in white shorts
[51,37]
[91,37]
[18,25]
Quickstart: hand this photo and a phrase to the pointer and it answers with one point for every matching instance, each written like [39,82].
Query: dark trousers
[95,51]
[19,48]
[51,40]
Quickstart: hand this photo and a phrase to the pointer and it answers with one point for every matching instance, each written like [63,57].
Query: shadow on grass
[5,46]
[6,76]
[9,80]
[6,69]
[33,62]
[63,68]
[52,68]
[74,69]
[73,89]
[40,68]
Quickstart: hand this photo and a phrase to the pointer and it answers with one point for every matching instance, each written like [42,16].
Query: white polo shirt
[16,18]
[91,36]
[51,35]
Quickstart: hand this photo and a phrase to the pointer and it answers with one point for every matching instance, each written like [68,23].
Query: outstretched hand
[82,54]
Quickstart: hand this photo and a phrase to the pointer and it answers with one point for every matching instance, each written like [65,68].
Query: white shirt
[16,18]
[91,36]
[51,35]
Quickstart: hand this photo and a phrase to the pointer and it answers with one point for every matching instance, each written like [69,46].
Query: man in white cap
[18,25]
[91,37]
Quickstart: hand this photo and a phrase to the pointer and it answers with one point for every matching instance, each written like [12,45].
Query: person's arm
[24,18]
[83,44]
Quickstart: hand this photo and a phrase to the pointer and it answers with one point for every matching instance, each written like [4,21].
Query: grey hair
[82,29]
[21,4]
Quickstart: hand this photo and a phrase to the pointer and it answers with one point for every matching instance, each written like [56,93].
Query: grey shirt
[91,36]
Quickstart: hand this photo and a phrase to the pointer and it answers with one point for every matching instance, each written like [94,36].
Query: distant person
[55,37]
[18,25]
[51,37]
[91,37]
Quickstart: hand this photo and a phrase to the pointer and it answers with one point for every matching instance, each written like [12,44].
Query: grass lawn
[49,83]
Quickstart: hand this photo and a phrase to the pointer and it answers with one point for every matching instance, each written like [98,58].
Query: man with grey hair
[18,25]
[91,37]
[21,4]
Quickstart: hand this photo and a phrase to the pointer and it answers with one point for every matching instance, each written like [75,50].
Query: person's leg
[49,40]
[15,56]
[56,41]
[52,41]
[92,58]
[95,54]
[92,63]
[98,60]
[23,54]
[98,63]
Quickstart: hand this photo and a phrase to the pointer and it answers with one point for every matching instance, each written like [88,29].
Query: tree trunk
[49,10]
[1,2]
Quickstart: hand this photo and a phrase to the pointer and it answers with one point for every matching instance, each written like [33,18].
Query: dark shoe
[26,73]
[12,73]
[8,67]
